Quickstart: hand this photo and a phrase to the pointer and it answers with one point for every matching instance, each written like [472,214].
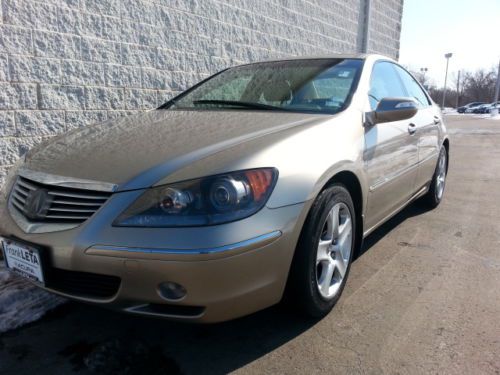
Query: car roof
[329,56]
[361,56]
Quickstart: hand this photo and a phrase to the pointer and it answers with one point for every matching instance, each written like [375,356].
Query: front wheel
[436,190]
[324,253]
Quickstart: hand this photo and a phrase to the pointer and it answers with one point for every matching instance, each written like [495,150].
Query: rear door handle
[412,128]
[437,120]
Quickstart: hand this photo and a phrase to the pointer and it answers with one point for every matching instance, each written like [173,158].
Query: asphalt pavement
[422,298]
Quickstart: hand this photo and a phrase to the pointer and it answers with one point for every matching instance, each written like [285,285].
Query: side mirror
[392,109]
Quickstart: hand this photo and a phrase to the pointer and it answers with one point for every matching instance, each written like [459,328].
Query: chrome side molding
[149,253]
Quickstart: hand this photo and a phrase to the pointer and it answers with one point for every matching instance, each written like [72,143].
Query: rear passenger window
[413,88]
[384,83]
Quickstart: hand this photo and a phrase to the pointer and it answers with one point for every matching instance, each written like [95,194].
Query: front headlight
[204,201]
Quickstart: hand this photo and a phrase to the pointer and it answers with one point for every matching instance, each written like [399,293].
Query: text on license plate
[24,260]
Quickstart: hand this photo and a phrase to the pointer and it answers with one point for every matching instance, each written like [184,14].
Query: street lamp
[447,56]
[423,71]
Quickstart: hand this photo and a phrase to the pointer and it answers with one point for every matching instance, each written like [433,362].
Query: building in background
[68,63]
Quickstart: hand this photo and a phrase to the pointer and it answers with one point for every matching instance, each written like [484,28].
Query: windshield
[319,85]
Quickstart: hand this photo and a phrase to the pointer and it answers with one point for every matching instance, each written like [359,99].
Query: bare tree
[422,77]
[478,86]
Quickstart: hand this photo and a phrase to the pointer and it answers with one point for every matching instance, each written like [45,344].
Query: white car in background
[474,107]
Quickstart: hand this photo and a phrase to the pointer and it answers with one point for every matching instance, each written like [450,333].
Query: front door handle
[437,120]
[412,128]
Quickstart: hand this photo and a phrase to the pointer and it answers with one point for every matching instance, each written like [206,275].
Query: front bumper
[228,270]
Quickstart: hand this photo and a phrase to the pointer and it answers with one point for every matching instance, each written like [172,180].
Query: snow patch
[449,111]
[21,302]
[488,117]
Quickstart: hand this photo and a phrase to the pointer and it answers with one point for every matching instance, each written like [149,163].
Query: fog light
[171,291]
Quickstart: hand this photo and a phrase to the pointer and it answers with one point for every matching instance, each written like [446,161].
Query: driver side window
[384,83]
[413,88]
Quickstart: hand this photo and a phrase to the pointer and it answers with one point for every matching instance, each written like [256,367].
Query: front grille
[62,204]
[82,284]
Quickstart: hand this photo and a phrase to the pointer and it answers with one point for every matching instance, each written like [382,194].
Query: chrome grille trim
[19,206]
[79,196]
[73,203]
[26,185]
[67,217]
[69,182]
[70,210]
[66,207]
[19,198]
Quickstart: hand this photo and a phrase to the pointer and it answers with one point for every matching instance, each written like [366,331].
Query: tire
[434,196]
[308,288]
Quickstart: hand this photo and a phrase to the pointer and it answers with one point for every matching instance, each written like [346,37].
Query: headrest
[308,92]
[277,91]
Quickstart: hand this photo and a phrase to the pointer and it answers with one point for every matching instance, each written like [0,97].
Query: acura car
[256,185]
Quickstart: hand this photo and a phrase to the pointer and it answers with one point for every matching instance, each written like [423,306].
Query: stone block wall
[68,63]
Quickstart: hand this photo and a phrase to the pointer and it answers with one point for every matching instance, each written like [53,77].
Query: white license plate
[23,259]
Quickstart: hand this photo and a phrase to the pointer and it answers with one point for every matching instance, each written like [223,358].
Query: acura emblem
[37,204]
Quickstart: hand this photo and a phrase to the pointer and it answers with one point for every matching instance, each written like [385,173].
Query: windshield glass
[316,85]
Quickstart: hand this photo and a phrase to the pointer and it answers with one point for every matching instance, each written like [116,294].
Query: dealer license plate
[23,259]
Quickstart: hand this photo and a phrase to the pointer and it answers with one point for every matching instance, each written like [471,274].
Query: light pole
[494,111]
[447,56]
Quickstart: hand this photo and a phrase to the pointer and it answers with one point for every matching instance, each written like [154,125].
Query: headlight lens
[205,201]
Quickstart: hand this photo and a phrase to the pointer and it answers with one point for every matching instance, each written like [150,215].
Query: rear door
[391,153]
[426,120]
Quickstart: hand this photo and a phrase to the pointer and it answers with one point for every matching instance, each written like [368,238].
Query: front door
[391,151]
[427,123]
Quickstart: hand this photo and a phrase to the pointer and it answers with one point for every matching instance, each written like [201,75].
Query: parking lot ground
[423,297]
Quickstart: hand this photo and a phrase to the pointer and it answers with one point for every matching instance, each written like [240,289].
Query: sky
[468,29]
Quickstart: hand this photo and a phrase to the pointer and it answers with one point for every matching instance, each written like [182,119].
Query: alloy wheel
[441,176]
[334,250]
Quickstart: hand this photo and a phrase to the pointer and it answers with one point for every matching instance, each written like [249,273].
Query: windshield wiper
[236,103]
[168,104]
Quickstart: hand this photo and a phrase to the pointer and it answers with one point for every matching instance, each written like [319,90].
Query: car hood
[122,151]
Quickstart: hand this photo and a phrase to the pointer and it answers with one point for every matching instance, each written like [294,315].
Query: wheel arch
[352,183]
